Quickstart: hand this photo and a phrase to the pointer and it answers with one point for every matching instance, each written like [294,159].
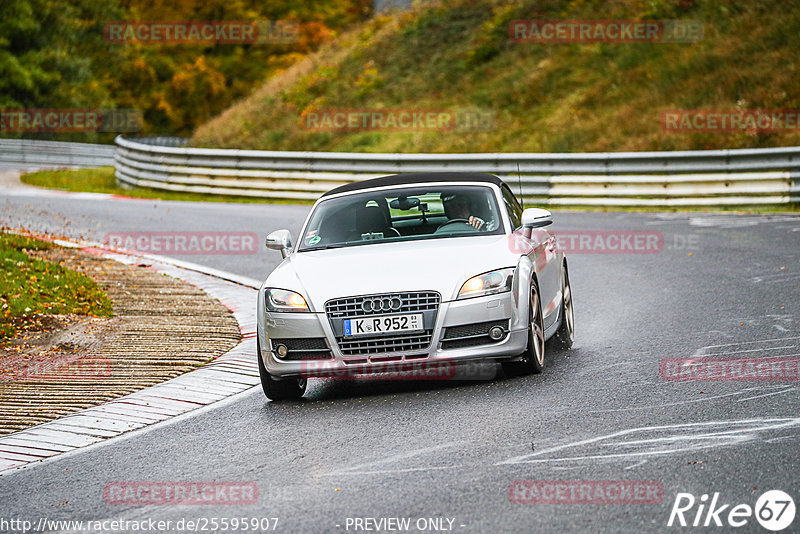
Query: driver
[457,207]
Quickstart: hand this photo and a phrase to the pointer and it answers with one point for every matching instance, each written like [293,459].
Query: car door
[544,256]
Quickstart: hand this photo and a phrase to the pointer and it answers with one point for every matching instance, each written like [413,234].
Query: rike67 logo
[774,510]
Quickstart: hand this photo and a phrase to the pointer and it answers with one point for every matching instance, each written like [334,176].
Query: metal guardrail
[689,178]
[34,153]
[162,141]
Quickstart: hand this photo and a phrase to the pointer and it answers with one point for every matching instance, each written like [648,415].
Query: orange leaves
[313,34]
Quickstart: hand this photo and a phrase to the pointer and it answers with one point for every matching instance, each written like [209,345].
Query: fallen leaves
[31,286]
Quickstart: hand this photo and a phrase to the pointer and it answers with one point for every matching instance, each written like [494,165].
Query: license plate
[382,324]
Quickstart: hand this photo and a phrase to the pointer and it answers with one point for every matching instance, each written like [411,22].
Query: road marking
[782,438]
[680,438]
[728,221]
[387,471]
[787,390]
[704,351]
[636,465]
[750,350]
[734,221]
[775,278]
[358,469]
[679,403]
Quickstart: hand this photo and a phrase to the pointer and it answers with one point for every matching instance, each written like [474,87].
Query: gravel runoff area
[162,327]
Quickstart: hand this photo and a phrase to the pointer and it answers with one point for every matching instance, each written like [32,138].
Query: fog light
[281,350]
[496,332]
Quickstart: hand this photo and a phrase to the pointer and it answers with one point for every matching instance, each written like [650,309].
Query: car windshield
[407,214]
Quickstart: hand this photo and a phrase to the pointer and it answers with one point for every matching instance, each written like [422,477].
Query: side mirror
[536,218]
[280,240]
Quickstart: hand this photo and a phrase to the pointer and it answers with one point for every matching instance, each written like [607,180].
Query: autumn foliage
[54,55]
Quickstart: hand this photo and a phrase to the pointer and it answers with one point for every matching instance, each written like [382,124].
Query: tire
[532,360]
[565,335]
[279,389]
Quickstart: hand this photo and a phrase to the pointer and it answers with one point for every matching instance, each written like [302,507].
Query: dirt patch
[162,327]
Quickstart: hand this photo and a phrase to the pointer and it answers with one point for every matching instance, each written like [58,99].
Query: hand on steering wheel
[475,222]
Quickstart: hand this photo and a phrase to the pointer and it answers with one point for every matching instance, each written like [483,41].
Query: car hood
[441,265]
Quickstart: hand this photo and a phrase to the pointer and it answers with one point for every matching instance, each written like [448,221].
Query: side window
[513,207]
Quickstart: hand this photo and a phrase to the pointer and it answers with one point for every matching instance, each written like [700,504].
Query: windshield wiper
[332,245]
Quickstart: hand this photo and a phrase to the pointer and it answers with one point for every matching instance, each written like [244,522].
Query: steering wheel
[454,221]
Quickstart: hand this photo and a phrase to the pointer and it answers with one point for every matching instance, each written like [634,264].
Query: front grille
[384,344]
[304,348]
[410,302]
[470,335]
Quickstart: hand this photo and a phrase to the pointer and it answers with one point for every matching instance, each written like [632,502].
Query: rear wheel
[279,389]
[565,334]
[532,360]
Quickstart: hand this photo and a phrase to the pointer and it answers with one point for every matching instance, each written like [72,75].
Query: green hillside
[560,97]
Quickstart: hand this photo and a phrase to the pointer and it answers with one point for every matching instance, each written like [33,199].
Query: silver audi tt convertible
[431,268]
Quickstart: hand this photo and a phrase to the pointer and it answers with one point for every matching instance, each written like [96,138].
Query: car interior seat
[371,220]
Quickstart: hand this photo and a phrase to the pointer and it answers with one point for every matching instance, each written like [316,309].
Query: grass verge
[30,287]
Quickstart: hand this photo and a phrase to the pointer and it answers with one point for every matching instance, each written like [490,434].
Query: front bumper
[503,308]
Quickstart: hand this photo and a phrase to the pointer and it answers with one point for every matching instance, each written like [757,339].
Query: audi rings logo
[385,304]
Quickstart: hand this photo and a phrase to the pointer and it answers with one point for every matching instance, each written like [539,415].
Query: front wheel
[532,360]
[279,389]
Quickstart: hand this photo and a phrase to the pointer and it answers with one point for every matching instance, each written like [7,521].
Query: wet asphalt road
[725,285]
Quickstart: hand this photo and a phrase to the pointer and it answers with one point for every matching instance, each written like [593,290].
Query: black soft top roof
[416,178]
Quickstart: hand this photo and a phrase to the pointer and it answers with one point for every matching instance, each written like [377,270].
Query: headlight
[281,300]
[489,283]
